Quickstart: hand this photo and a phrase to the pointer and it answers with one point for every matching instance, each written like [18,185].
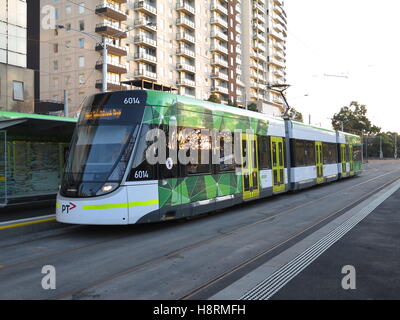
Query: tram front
[100,152]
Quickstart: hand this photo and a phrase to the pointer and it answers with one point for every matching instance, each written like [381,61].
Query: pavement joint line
[287,265]
[26,222]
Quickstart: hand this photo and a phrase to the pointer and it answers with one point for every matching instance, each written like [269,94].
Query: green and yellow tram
[146,156]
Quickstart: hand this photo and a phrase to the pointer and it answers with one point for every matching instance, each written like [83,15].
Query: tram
[214,157]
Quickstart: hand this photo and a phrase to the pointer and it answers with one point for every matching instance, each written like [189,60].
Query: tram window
[264,154]
[198,145]
[329,153]
[227,157]
[141,169]
[310,153]
[274,155]
[299,153]
[347,153]
[357,151]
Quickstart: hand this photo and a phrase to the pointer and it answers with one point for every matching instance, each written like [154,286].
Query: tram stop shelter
[33,150]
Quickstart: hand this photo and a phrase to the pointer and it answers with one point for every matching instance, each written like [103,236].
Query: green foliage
[388,144]
[296,115]
[354,119]
[214,98]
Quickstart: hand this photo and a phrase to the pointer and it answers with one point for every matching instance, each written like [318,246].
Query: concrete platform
[366,237]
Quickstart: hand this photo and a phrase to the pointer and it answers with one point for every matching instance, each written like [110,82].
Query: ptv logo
[68,207]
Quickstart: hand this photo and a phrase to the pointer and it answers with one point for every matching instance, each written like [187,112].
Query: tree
[214,98]
[354,119]
[296,115]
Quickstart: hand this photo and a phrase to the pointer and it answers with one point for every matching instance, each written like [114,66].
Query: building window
[81,25]
[18,91]
[81,43]
[55,47]
[68,26]
[81,61]
[68,10]
[81,78]
[55,65]
[81,7]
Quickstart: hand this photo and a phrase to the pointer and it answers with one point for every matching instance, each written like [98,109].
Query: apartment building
[231,48]
[16,81]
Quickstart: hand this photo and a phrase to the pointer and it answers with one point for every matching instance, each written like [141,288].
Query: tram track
[178,251]
[175,253]
[198,244]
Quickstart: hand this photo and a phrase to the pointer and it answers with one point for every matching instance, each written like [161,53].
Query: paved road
[172,260]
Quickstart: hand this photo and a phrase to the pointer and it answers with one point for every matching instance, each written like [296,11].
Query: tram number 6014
[141,175]
[131,101]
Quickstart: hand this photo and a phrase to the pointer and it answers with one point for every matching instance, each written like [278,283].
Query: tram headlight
[107,188]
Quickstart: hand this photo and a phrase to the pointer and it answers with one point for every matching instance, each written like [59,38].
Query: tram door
[343,158]
[3,168]
[319,162]
[350,146]
[278,164]
[250,172]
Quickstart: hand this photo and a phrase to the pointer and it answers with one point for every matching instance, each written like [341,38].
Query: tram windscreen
[100,149]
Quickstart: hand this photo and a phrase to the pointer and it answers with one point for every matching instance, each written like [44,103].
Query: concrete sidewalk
[372,247]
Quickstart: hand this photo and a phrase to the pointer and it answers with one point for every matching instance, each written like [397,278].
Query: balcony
[110,10]
[260,27]
[276,62]
[113,49]
[144,57]
[220,76]
[279,73]
[218,48]
[219,35]
[111,85]
[145,7]
[185,37]
[112,67]
[280,11]
[185,67]
[110,30]
[218,21]
[182,21]
[120,1]
[185,7]
[219,89]
[276,35]
[215,6]
[145,24]
[257,7]
[259,37]
[186,52]
[144,40]
[145,74]
[186,83]
[219,63]
[258,17]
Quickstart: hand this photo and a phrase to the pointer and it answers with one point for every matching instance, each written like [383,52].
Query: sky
[340,51]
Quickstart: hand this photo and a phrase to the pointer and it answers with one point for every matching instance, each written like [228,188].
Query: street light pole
[395,145]
[105,80]
[380,147]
